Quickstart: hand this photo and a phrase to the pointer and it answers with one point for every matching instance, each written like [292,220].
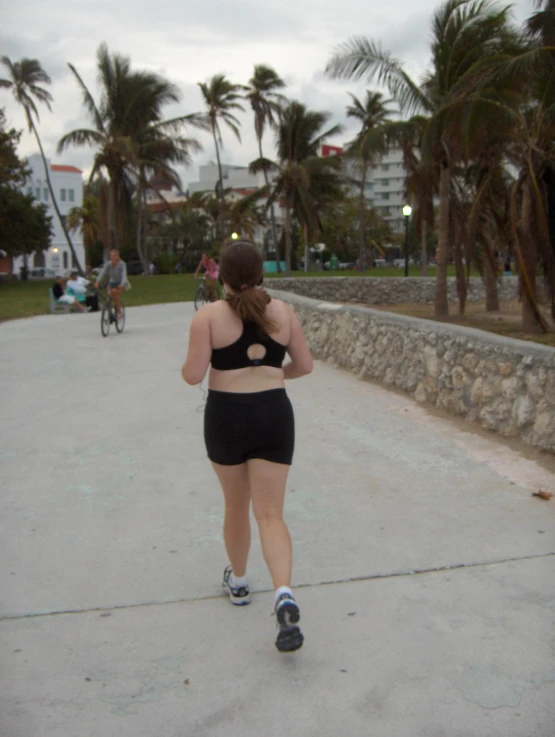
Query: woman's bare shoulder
[280,311]
[279,305]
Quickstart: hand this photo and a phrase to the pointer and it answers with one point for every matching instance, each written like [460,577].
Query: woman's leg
[267,483]
[234,481]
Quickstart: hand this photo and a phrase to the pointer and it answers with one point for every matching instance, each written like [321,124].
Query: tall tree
[87,220]
[526,112]
[420,185]
[265,100]
[464,34]
[129,133]
[25,80]
[221,97]
[368,147]
[304,181]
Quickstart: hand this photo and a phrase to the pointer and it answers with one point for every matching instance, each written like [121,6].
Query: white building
[234,177]
[385,185]
[67,184]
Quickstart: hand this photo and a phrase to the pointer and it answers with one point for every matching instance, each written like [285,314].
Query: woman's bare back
[226,328]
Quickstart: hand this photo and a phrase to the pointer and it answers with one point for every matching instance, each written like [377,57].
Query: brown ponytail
[241,268]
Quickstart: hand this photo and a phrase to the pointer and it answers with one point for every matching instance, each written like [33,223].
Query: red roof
[61,167]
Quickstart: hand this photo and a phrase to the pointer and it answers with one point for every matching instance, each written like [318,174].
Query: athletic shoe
[287,613]
[238,595]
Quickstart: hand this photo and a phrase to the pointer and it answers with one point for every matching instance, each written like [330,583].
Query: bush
[165,264]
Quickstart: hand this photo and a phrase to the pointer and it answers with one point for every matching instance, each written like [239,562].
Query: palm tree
[525,111]
[26,78]
[86,219]
[221,97]
[305,182]
[129,134]
[265,102]
[465,32]
[368,147]
[245,215]
[157,148]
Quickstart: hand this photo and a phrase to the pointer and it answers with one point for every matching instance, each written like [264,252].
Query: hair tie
[243,287]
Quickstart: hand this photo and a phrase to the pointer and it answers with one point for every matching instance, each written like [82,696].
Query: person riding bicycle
[212,271]
[115,271]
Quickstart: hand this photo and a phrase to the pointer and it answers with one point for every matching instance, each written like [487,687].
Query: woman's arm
[200,349]
[301,362]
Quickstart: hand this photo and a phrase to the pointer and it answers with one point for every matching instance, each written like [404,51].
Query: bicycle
[109,315]
[202,295]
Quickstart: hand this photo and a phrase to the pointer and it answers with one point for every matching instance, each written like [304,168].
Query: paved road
[427,569]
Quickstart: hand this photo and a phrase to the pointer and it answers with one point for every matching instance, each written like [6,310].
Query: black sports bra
[235,356]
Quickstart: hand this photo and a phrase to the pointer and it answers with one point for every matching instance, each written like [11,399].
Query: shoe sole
[289,640]
[236,600]
[289,637]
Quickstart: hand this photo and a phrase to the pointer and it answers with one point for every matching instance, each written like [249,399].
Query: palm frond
[362,59]
[79,137]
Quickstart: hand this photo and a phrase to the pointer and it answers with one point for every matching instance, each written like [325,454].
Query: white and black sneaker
[239,595]
[287,613]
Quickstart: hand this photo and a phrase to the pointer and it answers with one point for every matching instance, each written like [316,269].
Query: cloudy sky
[190,40]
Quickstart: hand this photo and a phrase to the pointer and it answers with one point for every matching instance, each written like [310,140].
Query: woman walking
[248,425]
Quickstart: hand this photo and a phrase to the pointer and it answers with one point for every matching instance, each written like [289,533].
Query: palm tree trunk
[287,238]
[441,302]
[53,197]
[459,271]
[305,233]
[530,322]
[111,217]
[424,249]
[272,212]
[140,232]
[490,280]
[219,222]
[362,229]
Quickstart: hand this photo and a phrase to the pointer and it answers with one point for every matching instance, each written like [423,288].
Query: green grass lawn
[24,299]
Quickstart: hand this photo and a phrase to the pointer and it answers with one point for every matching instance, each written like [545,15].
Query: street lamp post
[407,211]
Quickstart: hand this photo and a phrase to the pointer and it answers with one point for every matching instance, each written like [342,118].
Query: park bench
[57,308]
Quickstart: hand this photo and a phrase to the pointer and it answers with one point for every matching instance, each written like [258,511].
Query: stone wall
[505,385]
[387,290]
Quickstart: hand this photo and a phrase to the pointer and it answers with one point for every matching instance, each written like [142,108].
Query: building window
[30,191]
[369,186]
[37,193]
[385,167]
[73,261]
[385,182]
[385,195]
[45,194]
[71,195]
[65,256]
[63,195]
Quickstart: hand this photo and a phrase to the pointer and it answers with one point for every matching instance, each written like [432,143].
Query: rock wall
[504,385]
[387,290]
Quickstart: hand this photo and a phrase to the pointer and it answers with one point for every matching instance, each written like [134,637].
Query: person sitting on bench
[59,296]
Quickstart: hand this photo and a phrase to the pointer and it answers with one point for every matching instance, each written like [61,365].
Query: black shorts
[240,427]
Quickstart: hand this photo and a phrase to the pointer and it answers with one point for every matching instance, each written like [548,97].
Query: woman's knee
[267,516]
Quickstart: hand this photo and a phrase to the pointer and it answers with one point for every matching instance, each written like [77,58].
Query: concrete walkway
[427,568]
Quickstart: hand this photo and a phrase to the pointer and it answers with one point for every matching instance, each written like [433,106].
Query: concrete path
[427,568]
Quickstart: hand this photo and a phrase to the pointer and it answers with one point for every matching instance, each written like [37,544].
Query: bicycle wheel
[105,319]
[201,297]
[120,322]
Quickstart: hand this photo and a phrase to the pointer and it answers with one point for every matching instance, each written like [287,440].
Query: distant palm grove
[476,133]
